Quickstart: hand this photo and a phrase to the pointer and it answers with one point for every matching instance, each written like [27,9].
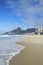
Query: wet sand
[32,54]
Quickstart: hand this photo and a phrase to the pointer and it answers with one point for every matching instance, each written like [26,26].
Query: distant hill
[19,31]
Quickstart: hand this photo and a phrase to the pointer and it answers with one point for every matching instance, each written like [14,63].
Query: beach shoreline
[14,54]
[32,54]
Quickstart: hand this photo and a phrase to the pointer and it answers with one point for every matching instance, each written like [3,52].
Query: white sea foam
[8,50]
[6,57]
[4,35]
[11,35]
[13,54]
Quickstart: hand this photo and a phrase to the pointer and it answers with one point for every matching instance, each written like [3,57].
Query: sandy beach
[32,54]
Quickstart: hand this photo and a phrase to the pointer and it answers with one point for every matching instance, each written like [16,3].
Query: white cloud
[32,9]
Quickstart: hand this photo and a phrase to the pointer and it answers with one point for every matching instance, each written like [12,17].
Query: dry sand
[33,52]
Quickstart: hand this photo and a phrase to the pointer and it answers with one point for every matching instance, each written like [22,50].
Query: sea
[8,47]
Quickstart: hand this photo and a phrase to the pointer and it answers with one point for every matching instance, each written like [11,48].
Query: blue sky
[20,13]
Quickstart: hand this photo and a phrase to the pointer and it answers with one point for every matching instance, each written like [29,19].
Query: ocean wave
[11,35]
[13,54]
[4,35]
[8,49]
[7,57]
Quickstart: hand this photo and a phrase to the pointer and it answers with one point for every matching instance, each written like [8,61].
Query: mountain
[19,31]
